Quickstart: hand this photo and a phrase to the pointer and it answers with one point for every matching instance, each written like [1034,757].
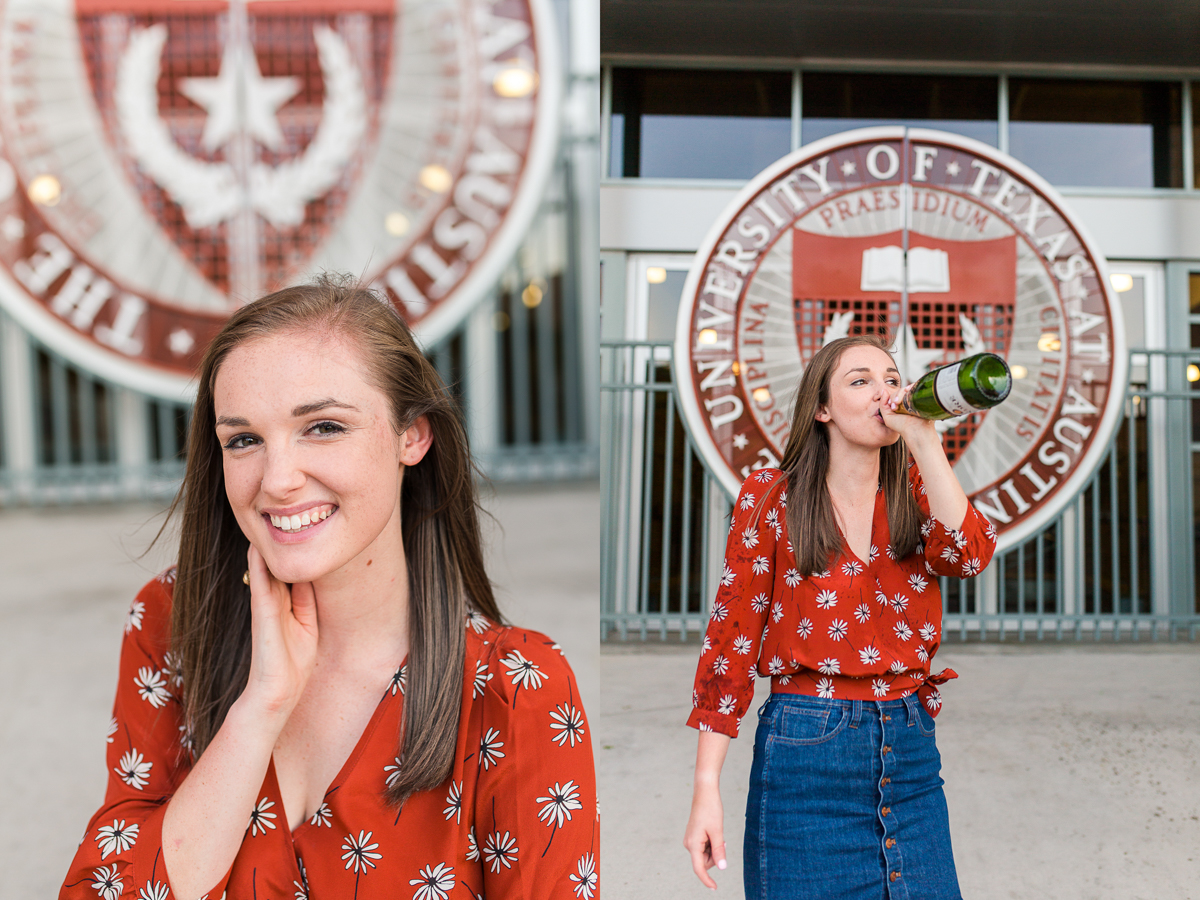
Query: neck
[362,608]
[853,475]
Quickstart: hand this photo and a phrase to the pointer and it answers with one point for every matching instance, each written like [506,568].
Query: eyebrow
[305,409]
[866,369]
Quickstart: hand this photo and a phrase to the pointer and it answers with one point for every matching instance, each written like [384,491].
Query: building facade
[1102,104]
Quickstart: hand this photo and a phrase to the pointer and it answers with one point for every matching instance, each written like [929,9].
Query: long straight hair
[812,525]
[210,618]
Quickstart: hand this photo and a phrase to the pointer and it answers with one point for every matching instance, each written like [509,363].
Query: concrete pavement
[1072,772]
[66,579]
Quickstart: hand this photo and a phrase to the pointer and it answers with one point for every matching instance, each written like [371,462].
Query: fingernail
[720,864]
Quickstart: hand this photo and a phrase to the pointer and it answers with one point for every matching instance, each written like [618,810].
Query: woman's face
[312,463]
[863,380]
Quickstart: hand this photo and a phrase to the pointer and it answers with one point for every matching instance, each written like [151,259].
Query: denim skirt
[846,803]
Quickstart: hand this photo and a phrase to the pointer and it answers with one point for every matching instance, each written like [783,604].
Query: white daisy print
[824,574]
[792,578]
[727,704]
[719,611]
[773,523]
[482,677]
[559,803]
[322,816]
[720,665]
[837,629]
[107,884]
[763,476]
[898,668]
[760,602]
[760,565]
[922,654]
[934,700]
[707,645]
[862,613]
[359,855]
[522,671]
[477,620]
[112,730]
[152,687]
[950,555]
[704,726]
[156,891]
[134,619]
[727,576]
[881,598]
[392,772]
[879,687]
[827,599]
[927,528]
[173,669]
[960,539]
[302,884]
[747,501]
[186,741]
[400,680]
[899,603]
[742,645]
[928,632]
[260,819]
[852,567]
[472,845]
[871,554]
[500,850]
[133,769]
[825,688]
[971,567]
[116,838]
[777,611]
[568,722]
[829,666]
[903,631]
[869,655]
[586,880]
[750,538]
[489,749]
[775,666]
[804,629]
[890,552]
[166,577]
[929,568]
[917,583]
[434,882]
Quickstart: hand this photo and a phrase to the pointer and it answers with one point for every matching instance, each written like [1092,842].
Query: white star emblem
[848,167]
[181,342]
[952,168]
[740,441]
[1088,376]
[219,97]
[13,228]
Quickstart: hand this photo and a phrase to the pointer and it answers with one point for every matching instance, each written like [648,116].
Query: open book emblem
[928,270]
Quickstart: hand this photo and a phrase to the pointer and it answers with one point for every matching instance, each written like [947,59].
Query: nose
[282,472]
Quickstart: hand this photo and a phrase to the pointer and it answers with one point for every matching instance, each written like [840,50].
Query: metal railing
[1114,565]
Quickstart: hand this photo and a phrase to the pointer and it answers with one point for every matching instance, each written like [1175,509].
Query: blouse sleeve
[537,824]
[121,851]
[960,554]
[724,686]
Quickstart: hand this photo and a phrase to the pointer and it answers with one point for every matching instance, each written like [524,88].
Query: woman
[321,700]
[845,795]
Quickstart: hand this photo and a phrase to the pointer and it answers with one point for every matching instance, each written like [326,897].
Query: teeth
[295,522]
[304,519]
[308,517]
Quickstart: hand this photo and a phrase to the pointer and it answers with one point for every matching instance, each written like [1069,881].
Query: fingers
[703,856]
[304,603]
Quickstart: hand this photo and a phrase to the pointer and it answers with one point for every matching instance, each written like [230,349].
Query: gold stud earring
[246,577]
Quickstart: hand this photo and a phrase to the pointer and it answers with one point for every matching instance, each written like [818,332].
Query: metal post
[20,418]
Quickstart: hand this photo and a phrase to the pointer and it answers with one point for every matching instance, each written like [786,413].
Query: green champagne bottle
[970,385]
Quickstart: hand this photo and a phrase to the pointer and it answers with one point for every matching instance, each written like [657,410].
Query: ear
[822,414]
[416,441]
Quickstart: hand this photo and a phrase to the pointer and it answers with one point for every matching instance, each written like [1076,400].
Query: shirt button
[885,810]
[891,842]
[894,876]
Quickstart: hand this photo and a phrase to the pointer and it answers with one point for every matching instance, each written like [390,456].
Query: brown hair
[812,527]
[210,618]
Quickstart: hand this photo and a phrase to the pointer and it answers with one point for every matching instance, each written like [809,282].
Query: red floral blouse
[861,630]
[517,818]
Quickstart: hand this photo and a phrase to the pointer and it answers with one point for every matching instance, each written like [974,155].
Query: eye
[240,442]
[327,428]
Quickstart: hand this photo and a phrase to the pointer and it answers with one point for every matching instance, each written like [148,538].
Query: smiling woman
[328,654]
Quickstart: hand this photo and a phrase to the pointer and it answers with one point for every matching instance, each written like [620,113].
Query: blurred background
[162,162]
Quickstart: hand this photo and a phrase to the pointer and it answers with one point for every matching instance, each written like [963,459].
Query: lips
[297,522]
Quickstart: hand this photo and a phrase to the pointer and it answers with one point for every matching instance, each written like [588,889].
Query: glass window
[1098,133]
[835,102]
[677,123]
